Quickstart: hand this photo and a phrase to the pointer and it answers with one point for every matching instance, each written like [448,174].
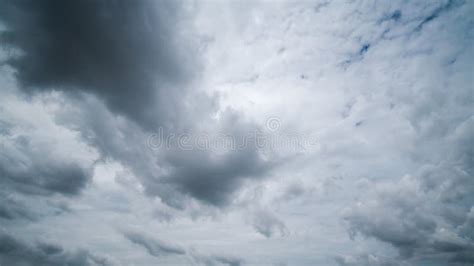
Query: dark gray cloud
[123,51]
[228,260]
[153,246]
[172,173]
[209,175]
[293,191]
[159,248]
[267,224]
[213,260]
[29,167]
[39,161]
[212,179]
[11,209]
[366,260]
[17,252]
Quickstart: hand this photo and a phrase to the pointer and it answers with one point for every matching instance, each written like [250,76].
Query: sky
[236,132]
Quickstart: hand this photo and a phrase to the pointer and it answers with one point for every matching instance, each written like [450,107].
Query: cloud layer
[99,100]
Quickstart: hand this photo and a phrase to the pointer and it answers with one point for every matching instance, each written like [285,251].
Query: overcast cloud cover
[236,132]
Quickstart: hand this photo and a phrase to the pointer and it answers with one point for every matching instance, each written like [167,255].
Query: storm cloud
[134,58]
[124,52]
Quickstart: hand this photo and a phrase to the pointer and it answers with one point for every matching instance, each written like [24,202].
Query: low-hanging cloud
[153,246]
[159,248]
[16,252]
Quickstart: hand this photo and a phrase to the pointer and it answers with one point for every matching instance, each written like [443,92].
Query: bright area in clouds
[384,90]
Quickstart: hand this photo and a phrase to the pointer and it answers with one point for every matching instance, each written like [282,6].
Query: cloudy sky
[236,132]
